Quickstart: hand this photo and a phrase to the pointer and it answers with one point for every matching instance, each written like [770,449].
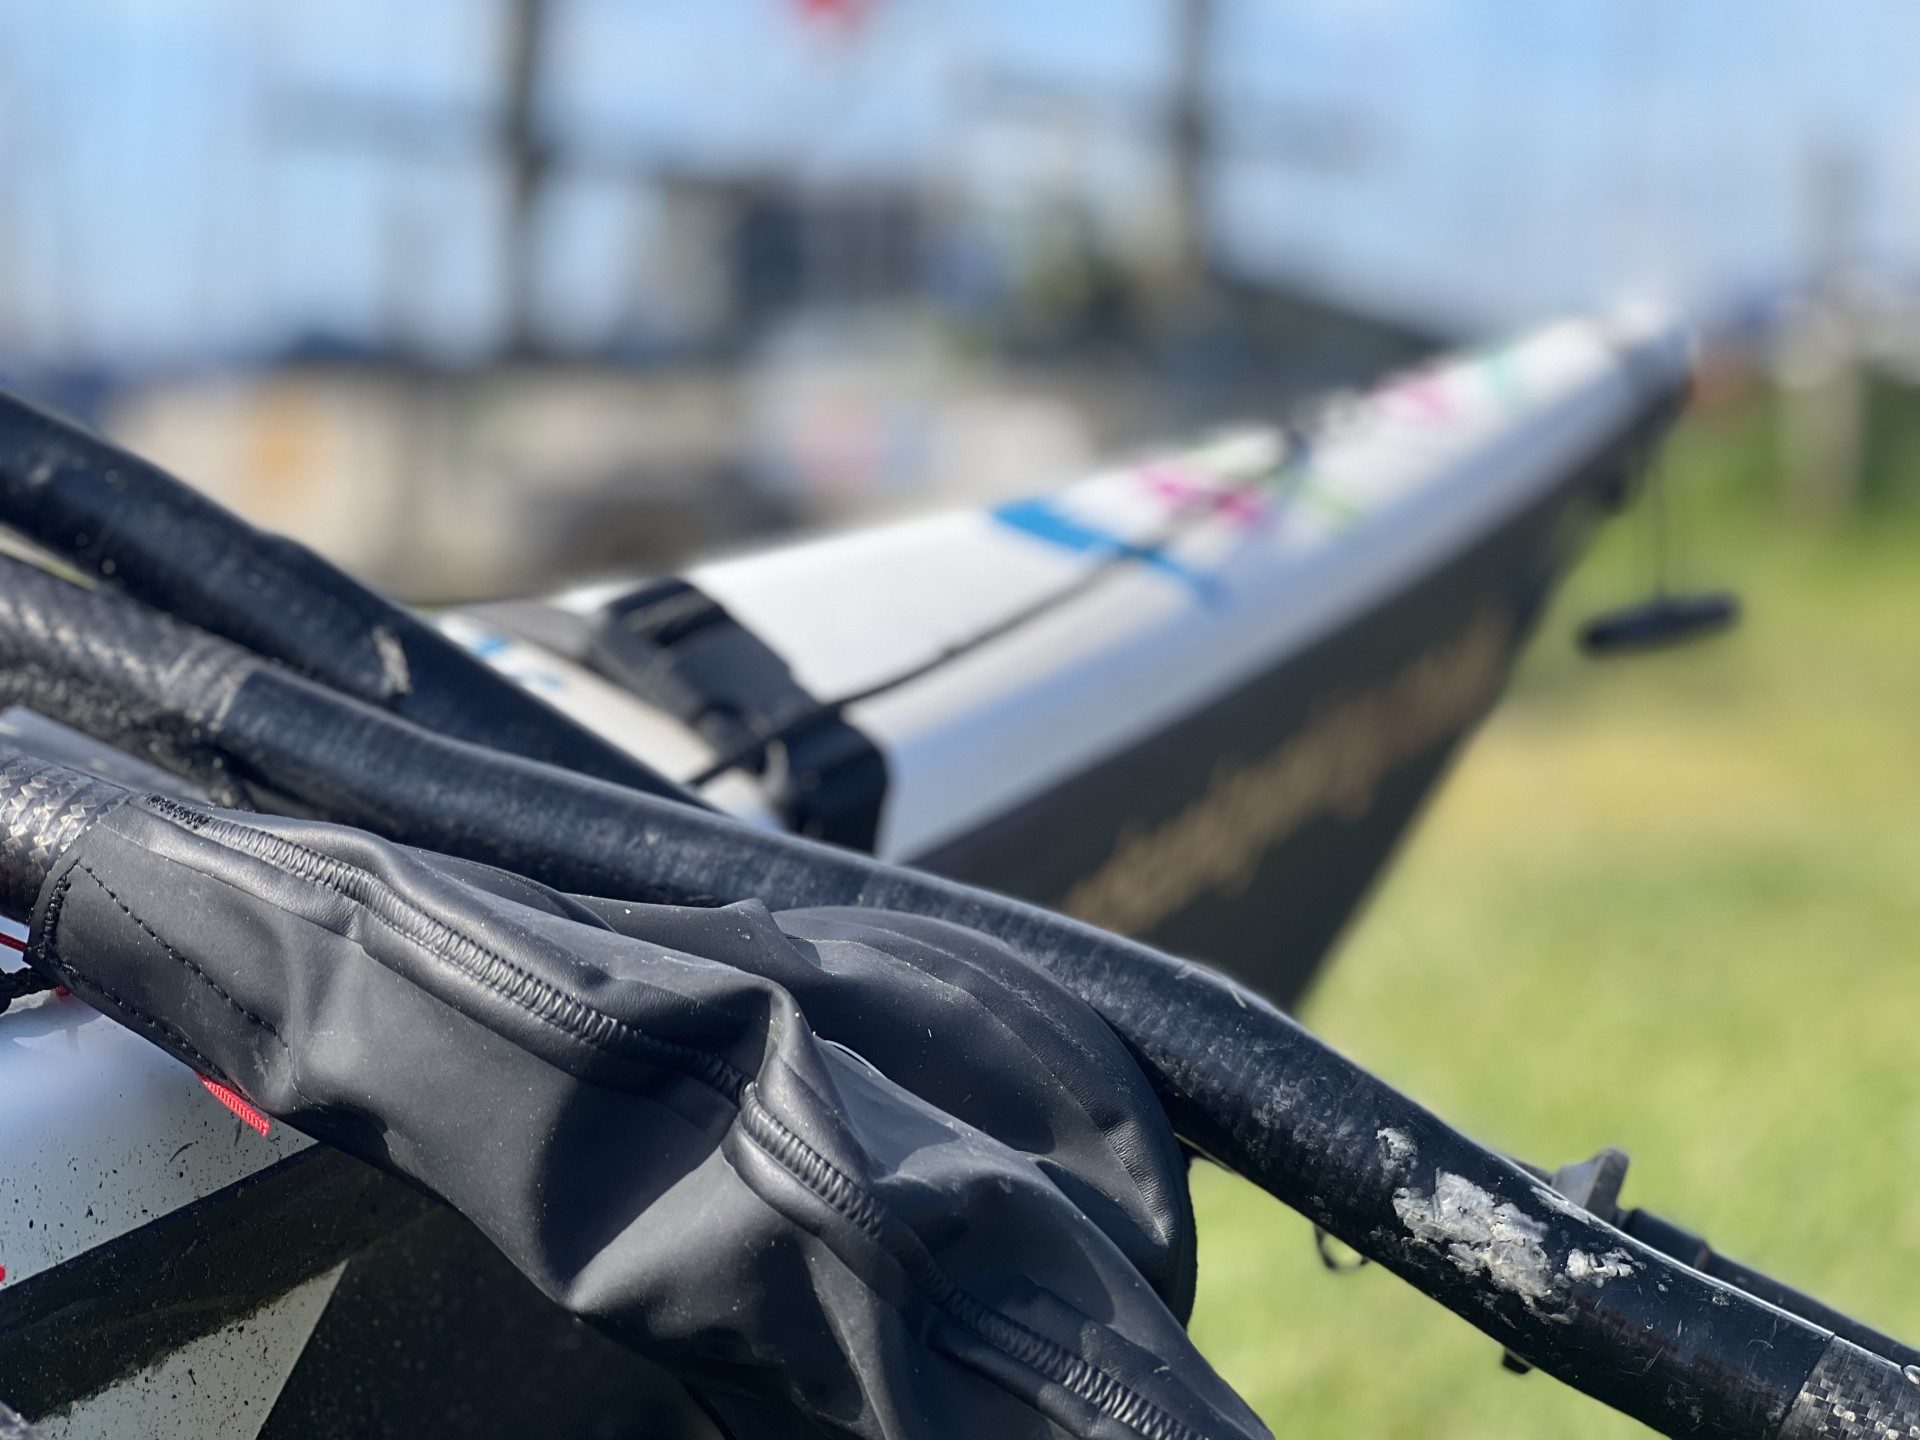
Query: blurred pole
[1197,351]
[12,193]
[528,160]
[1190,145]
[1824,411]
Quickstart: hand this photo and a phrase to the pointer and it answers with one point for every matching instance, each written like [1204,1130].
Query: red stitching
[234,1101]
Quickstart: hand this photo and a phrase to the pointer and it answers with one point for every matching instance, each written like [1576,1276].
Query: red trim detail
[3,1272]
[242,1111]
[60,990]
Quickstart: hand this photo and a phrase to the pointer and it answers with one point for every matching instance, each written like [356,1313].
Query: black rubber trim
[678,648]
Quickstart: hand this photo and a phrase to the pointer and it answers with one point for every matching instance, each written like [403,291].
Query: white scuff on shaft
[1396,1148]
[1598,1269]
[1480,1233]
[393,661]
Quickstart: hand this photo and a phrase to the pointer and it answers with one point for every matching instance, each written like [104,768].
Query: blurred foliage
[1666,903]
[1890,478]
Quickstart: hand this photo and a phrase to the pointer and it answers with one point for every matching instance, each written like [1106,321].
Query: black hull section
[1249,834]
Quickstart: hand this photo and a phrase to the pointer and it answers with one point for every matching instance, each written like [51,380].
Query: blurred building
[822,361]
[786,343]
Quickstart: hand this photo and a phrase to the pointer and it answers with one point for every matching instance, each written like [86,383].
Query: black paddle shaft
[131,526]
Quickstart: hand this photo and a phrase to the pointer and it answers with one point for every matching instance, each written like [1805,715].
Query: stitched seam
[572,1017]
[767,1132]
[1137,1169]
[1112,1397]
[49,944]
[668,1054]
[207,979]
[56,909]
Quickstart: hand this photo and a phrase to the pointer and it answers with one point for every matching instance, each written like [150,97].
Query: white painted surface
[219,1387]
[102,1132]
[599,705]
[673,749]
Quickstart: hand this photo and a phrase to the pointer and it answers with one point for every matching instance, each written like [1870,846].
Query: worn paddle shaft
[136,528]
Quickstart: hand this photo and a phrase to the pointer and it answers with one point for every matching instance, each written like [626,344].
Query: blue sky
[1521,156]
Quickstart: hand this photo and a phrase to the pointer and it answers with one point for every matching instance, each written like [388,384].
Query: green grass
[1669,903]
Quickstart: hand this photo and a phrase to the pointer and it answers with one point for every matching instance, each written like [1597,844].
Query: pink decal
[1186,488]
[1173,481]
[1424,396]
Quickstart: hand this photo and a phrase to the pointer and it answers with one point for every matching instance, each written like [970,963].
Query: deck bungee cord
[1237,1080]
[1118,556]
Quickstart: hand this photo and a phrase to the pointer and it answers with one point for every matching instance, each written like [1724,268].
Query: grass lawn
[1669,903]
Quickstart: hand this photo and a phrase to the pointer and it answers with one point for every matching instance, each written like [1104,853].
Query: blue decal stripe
[1043,520]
